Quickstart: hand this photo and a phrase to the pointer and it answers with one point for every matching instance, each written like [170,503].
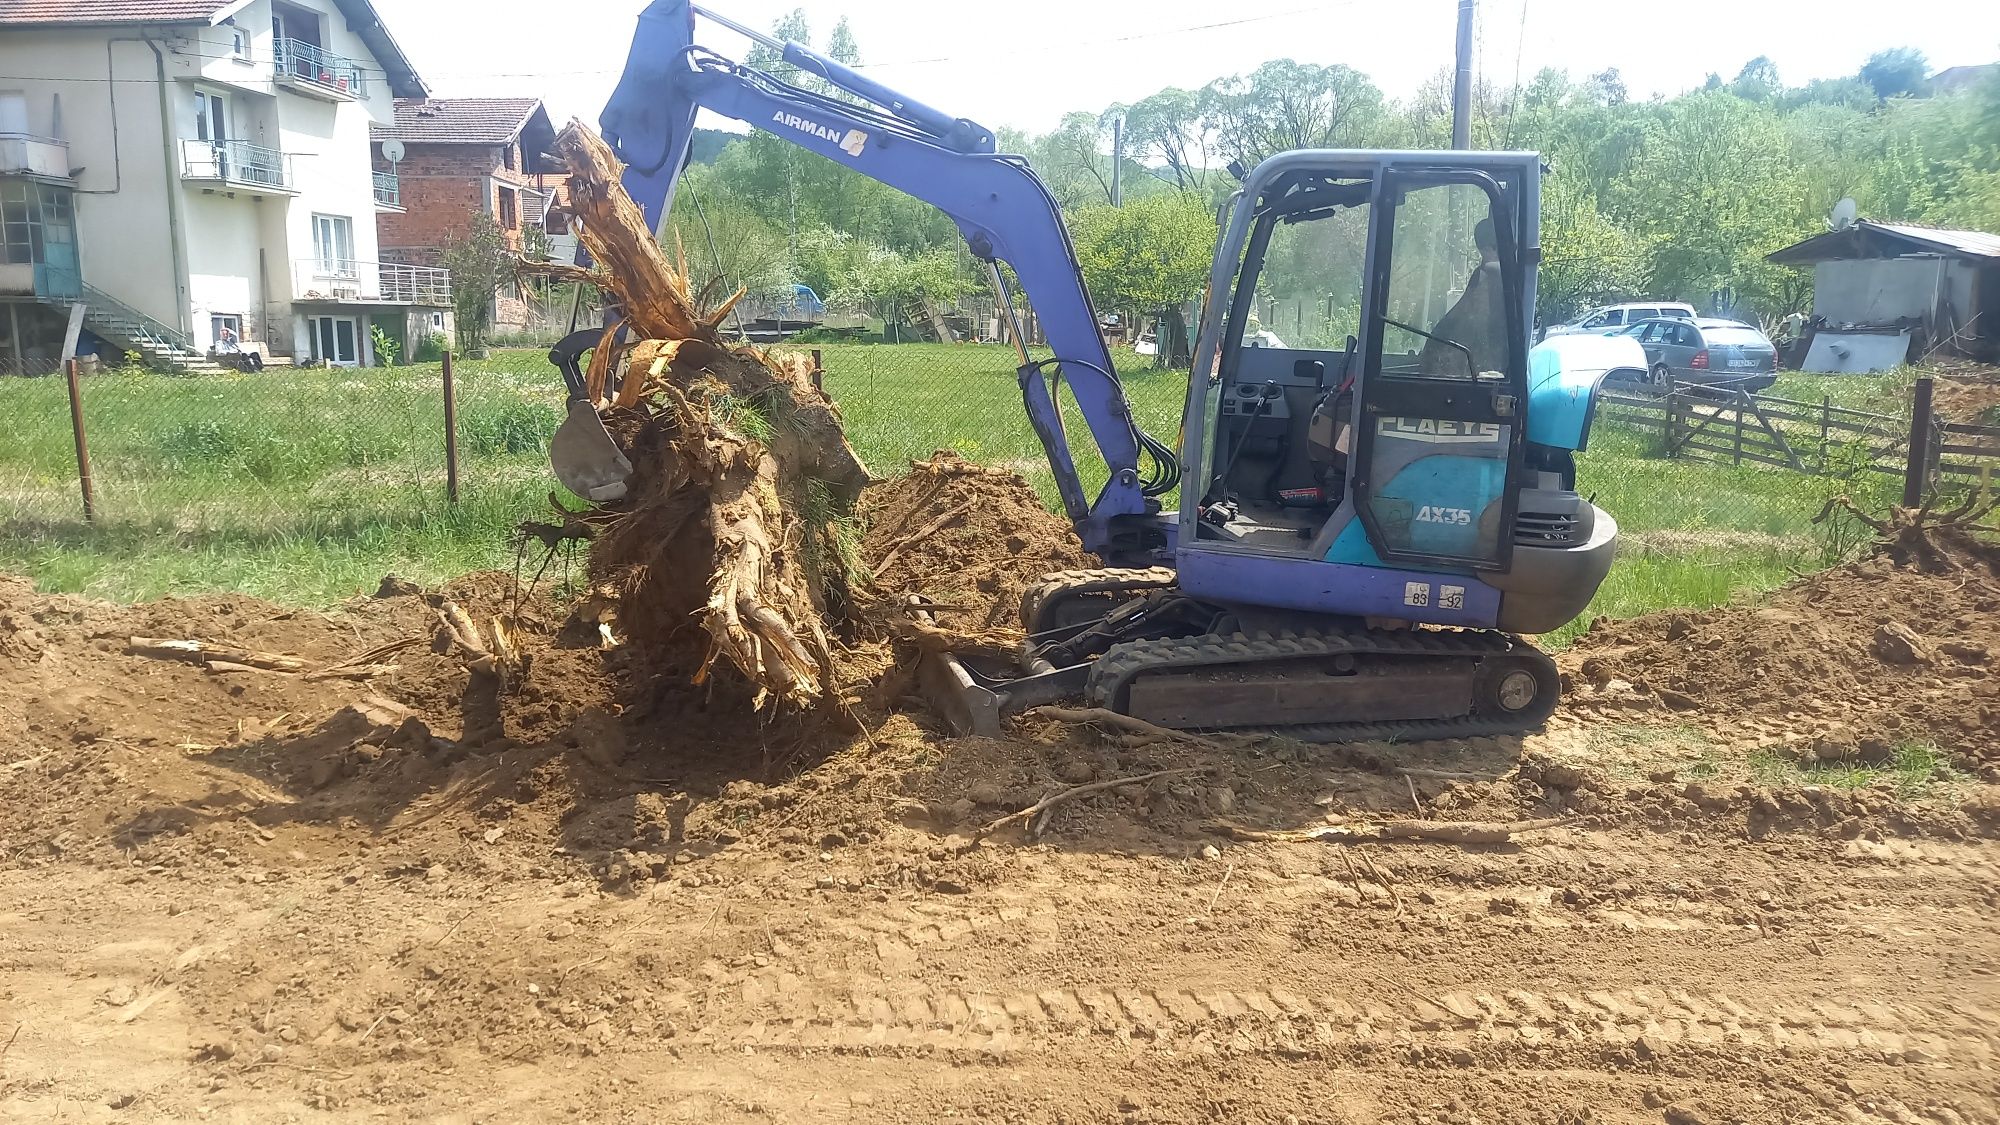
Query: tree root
[1034,814]
[1436,831]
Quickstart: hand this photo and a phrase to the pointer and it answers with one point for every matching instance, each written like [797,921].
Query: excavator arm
[1004,211]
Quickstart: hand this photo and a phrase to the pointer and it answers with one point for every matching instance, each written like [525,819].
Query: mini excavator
[1357,529]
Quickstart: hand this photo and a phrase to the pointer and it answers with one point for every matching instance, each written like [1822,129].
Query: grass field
[308,486]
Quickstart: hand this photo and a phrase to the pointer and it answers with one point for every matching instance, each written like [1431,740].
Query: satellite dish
[1844,213]
[393,152]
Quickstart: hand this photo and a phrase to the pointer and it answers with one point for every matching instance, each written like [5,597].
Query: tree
[1896,71]
[1167,127]
[479,260]
[1757,81]
[1150,256]
[1286,105]
[727,243]
[901,288]
[841,47]
[1607,88]
[1586,258]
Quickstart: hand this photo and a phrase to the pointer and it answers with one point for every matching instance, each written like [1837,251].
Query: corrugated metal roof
[1975,242]
[109,11]
[1869,239]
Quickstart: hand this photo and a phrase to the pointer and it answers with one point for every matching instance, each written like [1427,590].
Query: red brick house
[461,157]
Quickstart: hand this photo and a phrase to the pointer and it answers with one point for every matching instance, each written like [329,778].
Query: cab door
[1444,372]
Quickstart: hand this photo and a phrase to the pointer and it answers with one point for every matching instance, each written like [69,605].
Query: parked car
[1717,353]
[1612,319]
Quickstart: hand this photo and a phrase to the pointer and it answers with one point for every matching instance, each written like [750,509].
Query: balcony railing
[238,163]
[388,189]
[28,154]
[302,62]
[344,279]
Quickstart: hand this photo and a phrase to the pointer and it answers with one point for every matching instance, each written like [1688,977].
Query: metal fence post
[1917,467]
[82,446]
[450,432]
[818,372]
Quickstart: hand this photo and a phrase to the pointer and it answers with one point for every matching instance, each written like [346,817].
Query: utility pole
[1461,86]
[1117,161]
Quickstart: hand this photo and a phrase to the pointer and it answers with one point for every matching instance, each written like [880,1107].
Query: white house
[178,169]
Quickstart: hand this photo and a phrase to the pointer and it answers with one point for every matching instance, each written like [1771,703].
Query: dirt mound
[1966,392]
[1849,663]
[968,537]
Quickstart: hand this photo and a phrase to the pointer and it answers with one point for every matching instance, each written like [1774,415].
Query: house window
[507,160]
[333,245]
[21,229]
[437,321]
[239,44]
[13,111]
[231,324]
[510,210]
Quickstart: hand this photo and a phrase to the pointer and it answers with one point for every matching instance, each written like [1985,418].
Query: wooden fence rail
[1738,427]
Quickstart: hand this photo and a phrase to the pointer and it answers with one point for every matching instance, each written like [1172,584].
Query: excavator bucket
[583,453]
[586,459]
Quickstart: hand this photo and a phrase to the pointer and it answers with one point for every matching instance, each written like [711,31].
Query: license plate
[1742,363]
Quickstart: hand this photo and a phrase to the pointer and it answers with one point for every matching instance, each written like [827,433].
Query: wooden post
[819,373]
[1917,467]
[1825,431]
[1737,456]
[82,446]
[450,432]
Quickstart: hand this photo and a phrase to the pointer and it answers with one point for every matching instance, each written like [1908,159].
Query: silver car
[1718,353]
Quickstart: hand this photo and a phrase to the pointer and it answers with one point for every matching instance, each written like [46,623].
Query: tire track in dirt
[1276,1021]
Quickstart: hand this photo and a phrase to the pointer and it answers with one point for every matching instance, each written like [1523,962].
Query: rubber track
[1116,670]
[1104,579]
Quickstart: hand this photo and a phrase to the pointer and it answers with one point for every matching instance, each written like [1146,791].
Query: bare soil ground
[259,897]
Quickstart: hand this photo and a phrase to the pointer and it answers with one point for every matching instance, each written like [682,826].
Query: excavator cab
[1362,437]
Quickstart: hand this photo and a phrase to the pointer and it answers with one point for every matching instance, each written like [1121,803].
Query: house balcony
[309,69]
[24,154]
[388,192]
[345,281]
[234,166]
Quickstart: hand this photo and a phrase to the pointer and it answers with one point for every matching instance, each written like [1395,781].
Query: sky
[1026,63]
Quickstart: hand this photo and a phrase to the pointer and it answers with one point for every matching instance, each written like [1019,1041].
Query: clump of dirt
[970,538]
[1852,662]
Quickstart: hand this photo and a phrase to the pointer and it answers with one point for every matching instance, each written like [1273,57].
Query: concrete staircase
[164,348]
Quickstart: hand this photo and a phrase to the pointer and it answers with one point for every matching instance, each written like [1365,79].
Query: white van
[1614,318]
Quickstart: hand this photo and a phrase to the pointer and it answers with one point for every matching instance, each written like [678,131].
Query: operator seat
[1477,320]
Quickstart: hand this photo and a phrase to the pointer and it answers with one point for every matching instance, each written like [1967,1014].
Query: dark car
[1718,353]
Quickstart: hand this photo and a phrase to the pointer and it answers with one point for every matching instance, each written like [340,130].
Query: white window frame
[324,330]
[333,245]
[216,322]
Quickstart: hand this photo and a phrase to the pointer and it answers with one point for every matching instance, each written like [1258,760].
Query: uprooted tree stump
[1928,540]
[740,464]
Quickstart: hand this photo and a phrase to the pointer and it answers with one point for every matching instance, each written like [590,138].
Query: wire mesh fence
[1707,490]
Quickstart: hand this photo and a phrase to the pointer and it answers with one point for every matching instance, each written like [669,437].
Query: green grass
[1886,392]
[1914,769]
[307,486]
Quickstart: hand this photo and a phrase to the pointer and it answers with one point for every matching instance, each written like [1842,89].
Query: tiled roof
[110,11]
[465,121]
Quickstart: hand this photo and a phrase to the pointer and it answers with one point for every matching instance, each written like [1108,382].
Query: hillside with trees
[1669,197]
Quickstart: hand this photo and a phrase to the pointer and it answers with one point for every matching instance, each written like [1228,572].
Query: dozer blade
[586,459]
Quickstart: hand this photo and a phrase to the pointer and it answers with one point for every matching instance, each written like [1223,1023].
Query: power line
[1068,46]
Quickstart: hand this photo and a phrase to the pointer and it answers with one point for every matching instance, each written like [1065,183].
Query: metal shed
[1885,292]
